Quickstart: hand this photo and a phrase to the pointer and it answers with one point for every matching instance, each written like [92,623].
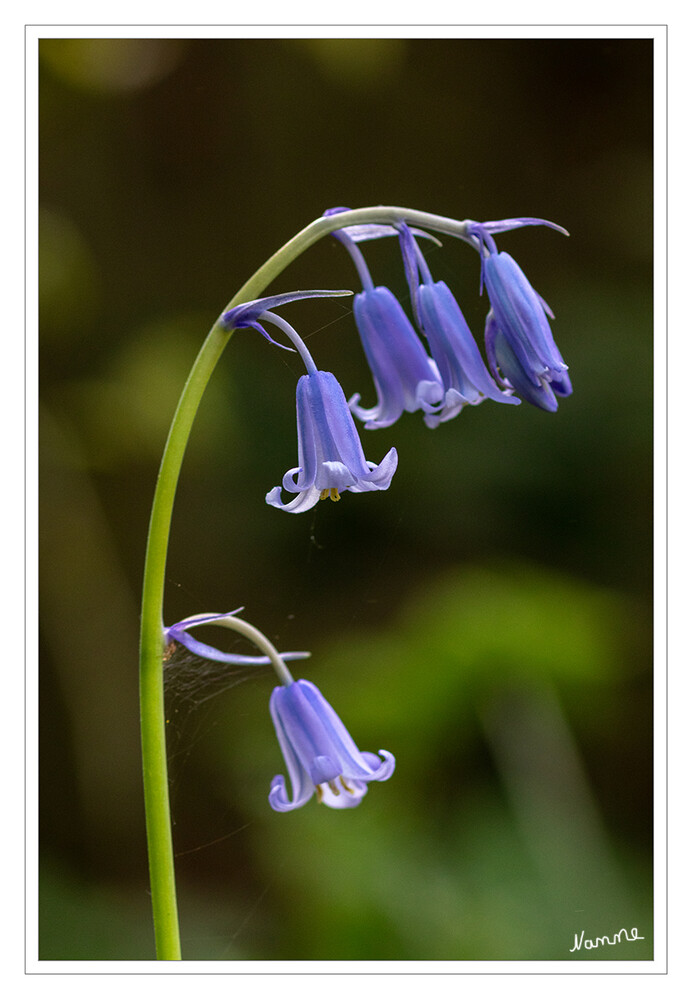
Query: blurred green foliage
[488,619]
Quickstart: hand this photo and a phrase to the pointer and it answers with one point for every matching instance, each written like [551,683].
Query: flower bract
[180,633]
[330,455]
[319,752]
[248,314]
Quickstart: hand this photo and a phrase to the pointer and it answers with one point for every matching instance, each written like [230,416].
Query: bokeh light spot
[112,64]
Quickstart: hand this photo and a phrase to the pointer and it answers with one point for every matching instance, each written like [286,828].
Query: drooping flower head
[465,378]
[405,377]
[321,757]
[522,353]
[319,752]
[330,455]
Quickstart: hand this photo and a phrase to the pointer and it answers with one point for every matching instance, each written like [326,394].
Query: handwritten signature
[617,938]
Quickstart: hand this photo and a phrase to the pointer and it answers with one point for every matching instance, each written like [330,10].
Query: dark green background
[487,619]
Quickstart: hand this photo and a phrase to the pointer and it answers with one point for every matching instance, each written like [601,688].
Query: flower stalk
[152,634]
[151,689]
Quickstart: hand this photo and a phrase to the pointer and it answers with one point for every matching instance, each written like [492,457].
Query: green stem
[152,710]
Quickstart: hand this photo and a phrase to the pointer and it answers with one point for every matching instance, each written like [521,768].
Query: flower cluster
[432,364]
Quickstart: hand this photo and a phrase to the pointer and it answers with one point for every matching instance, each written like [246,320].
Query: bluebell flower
[330,455]
[405,377]
[521,351]
[179,634]
[511,366]
[465,378]
[319,752]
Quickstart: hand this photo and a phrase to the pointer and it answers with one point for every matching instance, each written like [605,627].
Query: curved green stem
[152,711]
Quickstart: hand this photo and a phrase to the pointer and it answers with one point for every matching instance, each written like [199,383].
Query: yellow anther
[332,493]
[346,787]
[333,787]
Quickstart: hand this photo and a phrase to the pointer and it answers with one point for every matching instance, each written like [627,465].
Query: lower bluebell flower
[319,752]
[405,377]
[330,455]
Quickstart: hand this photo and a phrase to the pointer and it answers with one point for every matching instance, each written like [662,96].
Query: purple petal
[538,393]
[405,377]
[520,314]
[303,501]
[454,349]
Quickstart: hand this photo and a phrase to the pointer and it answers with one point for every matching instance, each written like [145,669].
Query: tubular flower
[464,374]
[518,337]
[330,455]
[465,378]
[510,366]
[405,377]
[320,754]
